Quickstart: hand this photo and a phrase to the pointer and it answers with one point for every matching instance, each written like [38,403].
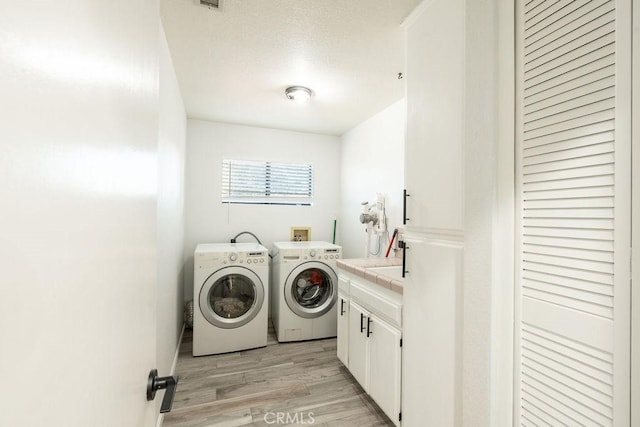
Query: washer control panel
[232,258]
[323,254]
[256,257]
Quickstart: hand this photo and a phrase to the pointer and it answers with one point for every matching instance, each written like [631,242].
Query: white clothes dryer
[231,297]
[304,290]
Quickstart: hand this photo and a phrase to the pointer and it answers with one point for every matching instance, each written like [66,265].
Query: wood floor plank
[346,397]
[230,419]
[252,387]
[241,402]
[237,390]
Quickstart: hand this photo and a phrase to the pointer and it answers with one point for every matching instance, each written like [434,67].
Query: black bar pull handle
[404,207]
[156,383]
[361,322]
[341,307]
[404,247]
[369,331]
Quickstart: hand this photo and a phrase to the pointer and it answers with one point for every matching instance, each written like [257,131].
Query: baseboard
[175,356]
[173,368]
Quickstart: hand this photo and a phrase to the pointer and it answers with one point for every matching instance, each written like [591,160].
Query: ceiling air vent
[211,4]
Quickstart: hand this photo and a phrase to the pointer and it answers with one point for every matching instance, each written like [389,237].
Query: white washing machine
[230,296]
[304,290]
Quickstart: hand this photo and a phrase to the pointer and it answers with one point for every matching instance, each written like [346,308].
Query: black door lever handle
[156,383]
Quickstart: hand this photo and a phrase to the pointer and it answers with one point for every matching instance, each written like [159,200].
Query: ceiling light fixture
[298,93]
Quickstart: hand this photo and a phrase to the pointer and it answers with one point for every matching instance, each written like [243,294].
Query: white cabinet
[343,328]
[432,332]
[370,340]
[358,345]
[374,358]
[434,180]
[385,354]
[435,116]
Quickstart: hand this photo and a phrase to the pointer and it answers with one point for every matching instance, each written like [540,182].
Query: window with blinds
[267,183]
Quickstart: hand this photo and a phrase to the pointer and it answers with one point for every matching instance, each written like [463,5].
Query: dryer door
[311,289]
[231,297]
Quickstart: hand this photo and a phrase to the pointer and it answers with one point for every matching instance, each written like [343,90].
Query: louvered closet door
[573,171]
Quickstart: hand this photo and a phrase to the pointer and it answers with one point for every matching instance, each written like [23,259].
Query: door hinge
[400,342]
[400,416]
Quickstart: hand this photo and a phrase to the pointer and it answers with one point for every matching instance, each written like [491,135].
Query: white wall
[172,134]
[635,229]
[489,214]
[372,162]
[208,220]
[78,228]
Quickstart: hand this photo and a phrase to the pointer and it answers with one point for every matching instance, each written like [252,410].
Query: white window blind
[271,183]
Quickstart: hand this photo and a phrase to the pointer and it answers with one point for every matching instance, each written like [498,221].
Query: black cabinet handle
[156,383]
[361,322]
[341,307]
[404,207]
[404,247]
[369,331]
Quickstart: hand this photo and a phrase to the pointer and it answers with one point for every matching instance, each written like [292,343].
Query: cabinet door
[384,366]
[343,330]
[435,116]
[358,344]
[432,332]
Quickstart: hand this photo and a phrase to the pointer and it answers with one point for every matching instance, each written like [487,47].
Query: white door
[358,345]
[78,216]
[384,366]
[573,184]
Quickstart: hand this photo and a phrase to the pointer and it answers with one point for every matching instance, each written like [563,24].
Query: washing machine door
[231,297]
[311,289]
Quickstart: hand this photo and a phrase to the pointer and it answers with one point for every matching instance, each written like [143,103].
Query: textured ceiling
[233,65]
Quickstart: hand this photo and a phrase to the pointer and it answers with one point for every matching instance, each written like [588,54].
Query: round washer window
[311,289]
[231,297]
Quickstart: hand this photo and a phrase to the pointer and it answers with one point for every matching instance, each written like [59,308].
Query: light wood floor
[299,383]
